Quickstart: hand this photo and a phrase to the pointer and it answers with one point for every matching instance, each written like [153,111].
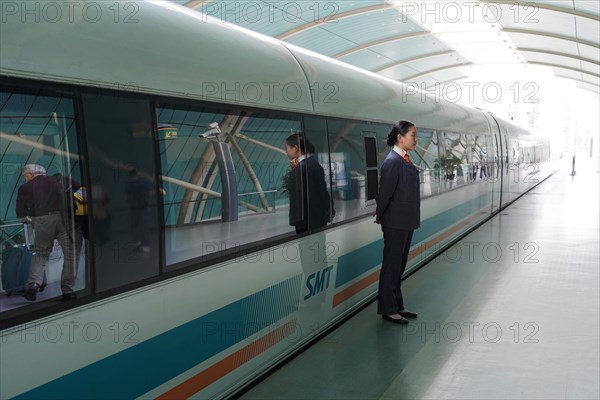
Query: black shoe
[401,321]
[408,314]
[31,292]
[69,296]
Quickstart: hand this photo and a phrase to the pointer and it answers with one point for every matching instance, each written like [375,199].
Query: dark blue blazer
[399,197]
[310,203]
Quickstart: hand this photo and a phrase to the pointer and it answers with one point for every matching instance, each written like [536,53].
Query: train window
[125,228]
[225,175]
[426,158]
[371,167]
[372,184]
[371,152]
[349,188]
[40,164]
[454,162]
[480,158]
[315,131]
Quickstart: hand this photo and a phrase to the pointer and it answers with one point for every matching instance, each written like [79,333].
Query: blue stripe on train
[139,369]
[352,265]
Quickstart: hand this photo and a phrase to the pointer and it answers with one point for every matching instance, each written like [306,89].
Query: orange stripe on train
[217,371]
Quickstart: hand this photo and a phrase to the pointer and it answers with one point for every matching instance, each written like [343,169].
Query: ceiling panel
[565,73]
[410,47]
[321,41]
[276,17]
[399,71]
[540,21]
[444,81]
[435,62]
[378,56]
[588,6]
[540,42]
[592,81]
[592,53]
[587,29]
[373,26]
[561,60]
[368,59]
[352,32]
[566,4]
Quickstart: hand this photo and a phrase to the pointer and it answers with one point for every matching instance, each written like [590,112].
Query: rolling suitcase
[15,264]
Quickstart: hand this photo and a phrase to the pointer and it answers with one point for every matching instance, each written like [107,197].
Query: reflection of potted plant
[450,163]
[285,179]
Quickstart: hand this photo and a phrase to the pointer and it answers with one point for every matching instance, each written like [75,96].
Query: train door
[505,166]
[441,167]
[121,159]
[496,173]
[316,142]
[495,166]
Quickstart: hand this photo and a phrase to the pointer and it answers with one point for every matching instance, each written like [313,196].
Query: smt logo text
[318,281]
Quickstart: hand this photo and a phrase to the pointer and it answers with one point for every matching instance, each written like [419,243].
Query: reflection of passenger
[138,190]
[101,216]
[459,174]
[77,223]
[310,203]
[482,168]
[398,212]
[38,198]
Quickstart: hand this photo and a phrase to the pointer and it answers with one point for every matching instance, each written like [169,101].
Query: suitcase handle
[25,229]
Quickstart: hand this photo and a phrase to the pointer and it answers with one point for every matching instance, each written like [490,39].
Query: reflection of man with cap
[38,199]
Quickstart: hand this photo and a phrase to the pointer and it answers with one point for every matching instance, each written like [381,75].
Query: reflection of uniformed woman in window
[398,212]
[309,200]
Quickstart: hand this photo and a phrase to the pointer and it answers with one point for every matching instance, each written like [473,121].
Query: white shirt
[303,157]
[400,151]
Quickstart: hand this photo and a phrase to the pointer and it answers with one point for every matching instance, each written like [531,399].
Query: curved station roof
[429,42]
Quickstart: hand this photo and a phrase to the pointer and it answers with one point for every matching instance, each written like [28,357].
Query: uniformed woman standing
[398,212]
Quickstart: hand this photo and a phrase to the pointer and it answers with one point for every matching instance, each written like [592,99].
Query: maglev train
[190,281]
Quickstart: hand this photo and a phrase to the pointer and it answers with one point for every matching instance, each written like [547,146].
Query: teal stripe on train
[139,369]
[352,265]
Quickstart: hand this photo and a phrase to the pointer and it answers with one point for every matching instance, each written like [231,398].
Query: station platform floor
[510,312]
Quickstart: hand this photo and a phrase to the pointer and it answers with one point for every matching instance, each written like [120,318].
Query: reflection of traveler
[482,168]
[138,190]
[76,223]
[460,178]
[101,215]
[398,212]
[38,199]
[310,202]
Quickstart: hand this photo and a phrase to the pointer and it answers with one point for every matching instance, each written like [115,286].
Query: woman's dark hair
[301,141]
[400,128]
